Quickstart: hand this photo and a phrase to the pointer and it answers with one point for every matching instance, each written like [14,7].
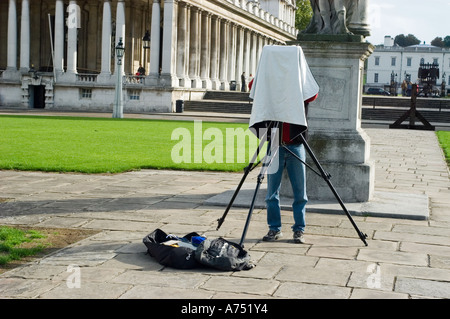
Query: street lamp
[118,102]
[443,84]
[146,40]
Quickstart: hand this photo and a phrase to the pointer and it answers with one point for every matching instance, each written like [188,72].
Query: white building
[60,54]
[390,59]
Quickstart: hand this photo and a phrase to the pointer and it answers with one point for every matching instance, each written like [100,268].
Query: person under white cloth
[282,88]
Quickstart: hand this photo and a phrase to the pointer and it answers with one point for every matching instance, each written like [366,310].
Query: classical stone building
[392,62]
[60,54]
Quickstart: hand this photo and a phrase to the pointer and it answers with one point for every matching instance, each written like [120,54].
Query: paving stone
[36,271]
[396,257]
[415,238]
[333,252]
[429,249]
[121,225]
[149,292]
[373,278]
[284,246]
[311,291]
[440,261]
[161,279]
[241,284]
[81,258]
[139,261]
[336,277]
[288,259]
[87,290]
[262,271]
[420,287]
[24,288]
[376,294]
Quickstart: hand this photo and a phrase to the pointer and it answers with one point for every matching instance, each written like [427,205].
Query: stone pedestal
[334,120]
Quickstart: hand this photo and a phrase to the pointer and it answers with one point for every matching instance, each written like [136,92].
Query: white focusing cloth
[283,81]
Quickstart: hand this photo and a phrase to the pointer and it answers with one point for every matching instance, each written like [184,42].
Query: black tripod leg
[325,176]
[222,219]
[250,212]
[247,170]
[268,161]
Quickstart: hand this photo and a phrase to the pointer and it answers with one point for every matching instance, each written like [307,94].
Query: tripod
[271,153]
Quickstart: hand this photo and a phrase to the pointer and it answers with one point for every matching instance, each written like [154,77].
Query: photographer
[282,89]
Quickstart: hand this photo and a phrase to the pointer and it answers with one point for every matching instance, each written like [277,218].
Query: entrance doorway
[37,96]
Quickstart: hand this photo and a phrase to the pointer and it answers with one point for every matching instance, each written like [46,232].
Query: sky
[426,19]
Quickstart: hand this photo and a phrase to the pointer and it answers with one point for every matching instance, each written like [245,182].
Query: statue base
[334,122]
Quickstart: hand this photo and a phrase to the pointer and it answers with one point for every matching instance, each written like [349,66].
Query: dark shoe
[298,237]
[272,235]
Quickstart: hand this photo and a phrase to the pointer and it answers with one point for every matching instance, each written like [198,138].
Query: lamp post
[118,101]
[146,40]
[443,84]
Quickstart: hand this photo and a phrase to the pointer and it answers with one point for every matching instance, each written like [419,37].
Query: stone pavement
[405,258]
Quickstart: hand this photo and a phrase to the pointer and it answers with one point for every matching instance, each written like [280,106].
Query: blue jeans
[297,176]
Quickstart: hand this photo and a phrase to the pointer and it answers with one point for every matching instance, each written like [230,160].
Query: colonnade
[212,51]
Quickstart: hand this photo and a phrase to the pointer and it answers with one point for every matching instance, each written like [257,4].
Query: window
[86,93]
[377,60]
[408,61]
[435,61]
[375,78]
[134,95]
[393,61]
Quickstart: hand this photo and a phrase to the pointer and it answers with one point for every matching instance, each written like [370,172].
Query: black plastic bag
[224,255]
[176,257]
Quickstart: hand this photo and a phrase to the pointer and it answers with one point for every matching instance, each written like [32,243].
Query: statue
[339,17]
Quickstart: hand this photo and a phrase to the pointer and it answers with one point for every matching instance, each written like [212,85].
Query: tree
[405,41]
[303,14]
[438,42]
[447,41]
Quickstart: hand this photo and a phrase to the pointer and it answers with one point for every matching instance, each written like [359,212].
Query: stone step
[219,106]
[436,103]
[393,115]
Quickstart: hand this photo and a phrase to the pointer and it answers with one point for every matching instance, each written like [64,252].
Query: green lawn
[101,145]
[444,140]
[12,242]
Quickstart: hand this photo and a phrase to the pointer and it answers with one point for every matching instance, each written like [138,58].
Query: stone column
[223,55]
[155,44]
[168,75]
[12,37]
[59,38]
[246,62]
[105,74]
[334,121]
[25,37]
[194,48]
[215,48]
[231,47]
[92,37]
[254,49]
[73,24]
[240,57]
[205,51]
[120,30]
[260,47]
[183,45]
